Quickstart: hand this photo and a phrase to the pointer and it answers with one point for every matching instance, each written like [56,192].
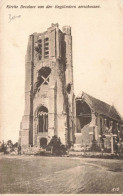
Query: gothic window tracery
[43,119]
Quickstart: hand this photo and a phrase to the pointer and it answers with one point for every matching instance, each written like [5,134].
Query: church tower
[49,96]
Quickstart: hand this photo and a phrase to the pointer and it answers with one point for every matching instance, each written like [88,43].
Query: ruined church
[49,91]
[50,104]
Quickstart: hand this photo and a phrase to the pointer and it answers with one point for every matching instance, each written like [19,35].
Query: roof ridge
[118,112]
[98,99]
[100,106]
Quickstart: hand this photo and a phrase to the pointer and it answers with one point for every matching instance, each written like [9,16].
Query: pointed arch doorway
[43,142]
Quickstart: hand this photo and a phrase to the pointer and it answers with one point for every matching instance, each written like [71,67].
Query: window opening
[44,74]
[38,48]
[46,47]
[43,78]
[43,119]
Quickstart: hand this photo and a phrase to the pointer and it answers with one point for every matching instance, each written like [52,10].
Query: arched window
[42,78]
[43,75]
[43,119]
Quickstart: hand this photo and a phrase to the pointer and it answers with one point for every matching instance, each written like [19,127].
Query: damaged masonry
[98,124]
[50,104]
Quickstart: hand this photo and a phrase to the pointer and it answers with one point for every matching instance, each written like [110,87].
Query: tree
[15,145]
[2,147]
[9,146]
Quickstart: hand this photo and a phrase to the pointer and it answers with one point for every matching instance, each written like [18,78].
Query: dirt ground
[32,174]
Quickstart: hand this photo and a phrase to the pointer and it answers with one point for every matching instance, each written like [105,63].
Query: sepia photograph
[61,103]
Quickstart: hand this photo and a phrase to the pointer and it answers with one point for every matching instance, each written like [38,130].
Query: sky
[97,45]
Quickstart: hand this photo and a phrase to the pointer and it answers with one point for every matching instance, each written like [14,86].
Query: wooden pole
[112,144]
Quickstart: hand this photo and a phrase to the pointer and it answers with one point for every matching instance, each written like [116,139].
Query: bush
[56,146]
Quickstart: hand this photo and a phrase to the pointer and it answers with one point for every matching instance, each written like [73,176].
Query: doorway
[43,142]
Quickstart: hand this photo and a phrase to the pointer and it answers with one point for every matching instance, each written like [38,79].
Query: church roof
[100,107]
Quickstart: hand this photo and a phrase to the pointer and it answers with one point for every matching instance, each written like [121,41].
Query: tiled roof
[100,107]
